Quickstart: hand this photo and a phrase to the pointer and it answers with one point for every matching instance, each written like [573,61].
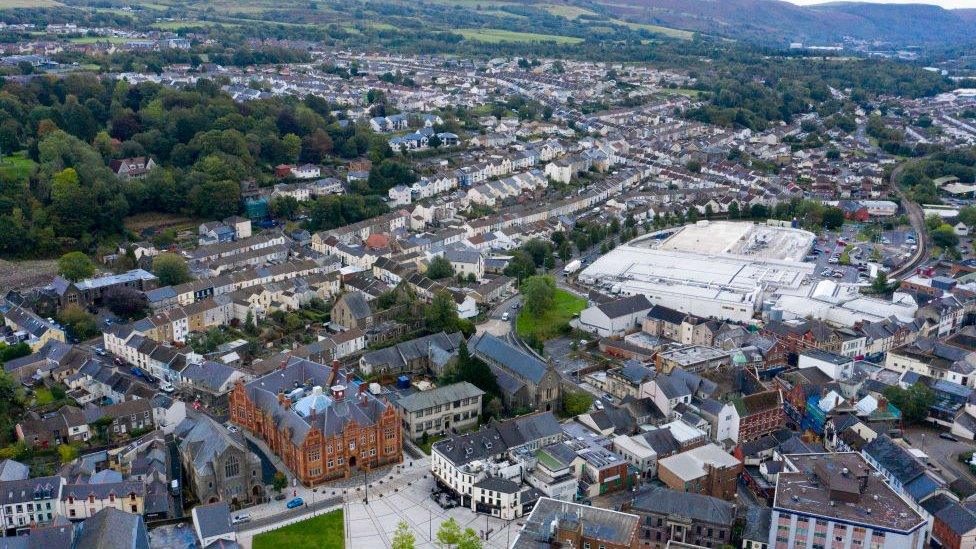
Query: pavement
[406,498]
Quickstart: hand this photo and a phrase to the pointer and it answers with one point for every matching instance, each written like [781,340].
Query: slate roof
[213,519]
[893,458]
[113,529]
[659,312]
[499,352]
[498,437]
[264,392]
[442,395]
[697,507]
[958,518]
[398,356]
[209,374]
[625,306]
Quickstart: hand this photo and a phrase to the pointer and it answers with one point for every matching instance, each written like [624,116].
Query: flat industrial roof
[739,238]
[829,485]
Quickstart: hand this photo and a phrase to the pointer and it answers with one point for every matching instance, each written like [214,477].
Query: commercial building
[839,500]
[707,470]
[499,451]
[556,523]
[668,517]
[451,407]
[720,270]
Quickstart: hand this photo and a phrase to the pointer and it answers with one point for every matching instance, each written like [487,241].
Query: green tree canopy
[439,267]
[171,269]
[75,266]
[539,292]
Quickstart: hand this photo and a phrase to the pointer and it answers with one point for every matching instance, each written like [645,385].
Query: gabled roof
[625,306]
[503,354]
[697,507]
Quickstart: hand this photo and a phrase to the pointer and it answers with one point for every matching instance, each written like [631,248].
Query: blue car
[297,502]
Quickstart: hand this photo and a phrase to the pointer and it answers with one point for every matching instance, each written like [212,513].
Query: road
[940,451]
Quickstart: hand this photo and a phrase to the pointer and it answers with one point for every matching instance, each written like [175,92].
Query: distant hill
[779,22]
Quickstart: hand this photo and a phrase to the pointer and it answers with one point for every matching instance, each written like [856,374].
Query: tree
[279,482]
[576,403]
[945,236]
[967,214]
[469,540]
[914,402]
[693,166]
[441,314]
[75,266]
[125,301]
[521,266]
[439,267]
[449,533]
[67,452]
[539,292]
[283,207]
[79,322]
[171,269]
[880,283]
[474,370]
[734,210]
[833,218]
[403,537]
[10,352]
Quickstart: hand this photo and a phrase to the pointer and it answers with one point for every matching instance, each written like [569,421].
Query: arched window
[232,467]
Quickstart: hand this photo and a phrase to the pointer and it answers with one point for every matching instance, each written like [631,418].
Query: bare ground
[23,274]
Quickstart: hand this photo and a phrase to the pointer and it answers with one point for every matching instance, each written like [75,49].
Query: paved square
[372,526]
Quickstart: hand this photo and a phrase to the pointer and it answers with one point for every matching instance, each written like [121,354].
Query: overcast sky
[943,3]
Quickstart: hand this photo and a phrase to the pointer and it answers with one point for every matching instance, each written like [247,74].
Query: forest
[204,143]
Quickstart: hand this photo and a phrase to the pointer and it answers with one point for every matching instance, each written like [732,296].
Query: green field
[565,305]
[326,530]
[494,36]
[94,39]
[667,31]
[569,12]
[16,166]
[193,24]
[10,4]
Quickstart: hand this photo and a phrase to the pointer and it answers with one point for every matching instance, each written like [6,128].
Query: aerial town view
[487,274]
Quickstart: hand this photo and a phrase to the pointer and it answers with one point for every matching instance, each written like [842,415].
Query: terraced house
[318,420]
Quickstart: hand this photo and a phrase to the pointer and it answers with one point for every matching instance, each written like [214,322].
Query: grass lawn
[425,446]
[565,305]
[495,36]
[685,91]
[43,396]
[322,531]
[16,166]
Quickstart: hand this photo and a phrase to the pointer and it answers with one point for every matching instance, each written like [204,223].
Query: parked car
[166,387]
[296,502]
[240,518]
[947,436]
[505,315]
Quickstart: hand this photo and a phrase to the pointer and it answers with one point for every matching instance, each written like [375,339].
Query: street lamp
[366,486]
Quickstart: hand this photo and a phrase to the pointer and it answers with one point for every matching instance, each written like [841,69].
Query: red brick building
[320,422]
[760,414]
